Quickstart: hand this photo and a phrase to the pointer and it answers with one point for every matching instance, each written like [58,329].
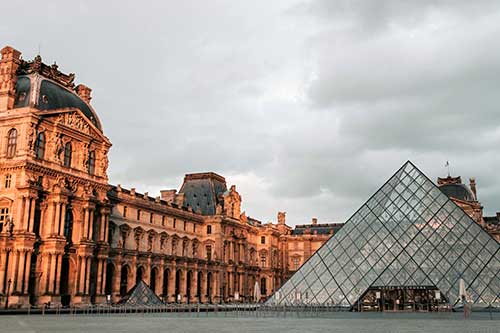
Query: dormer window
[22,96]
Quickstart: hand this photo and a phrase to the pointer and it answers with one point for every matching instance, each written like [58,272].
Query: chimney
[179,200]
[314,221]
[168,195]
[9,63]
[84,92]
[473,187]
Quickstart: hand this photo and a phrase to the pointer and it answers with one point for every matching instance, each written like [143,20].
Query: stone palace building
[69,237]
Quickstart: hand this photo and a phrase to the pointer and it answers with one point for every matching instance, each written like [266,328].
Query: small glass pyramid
[140,295]
[407,235]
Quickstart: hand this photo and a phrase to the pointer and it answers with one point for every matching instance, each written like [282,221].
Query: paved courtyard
[341,322]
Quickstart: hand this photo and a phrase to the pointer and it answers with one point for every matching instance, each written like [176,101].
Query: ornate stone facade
[69,237]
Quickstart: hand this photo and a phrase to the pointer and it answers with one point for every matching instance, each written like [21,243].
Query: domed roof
[44,94]
[457,191]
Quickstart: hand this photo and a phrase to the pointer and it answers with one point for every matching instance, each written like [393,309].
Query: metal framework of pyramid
[407,234]
[140,295]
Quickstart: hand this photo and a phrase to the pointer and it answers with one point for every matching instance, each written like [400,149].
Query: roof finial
[447,165]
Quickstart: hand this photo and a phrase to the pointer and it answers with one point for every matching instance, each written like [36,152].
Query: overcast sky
[307,106]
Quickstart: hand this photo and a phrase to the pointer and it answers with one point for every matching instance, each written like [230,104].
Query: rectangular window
[163,220]
[4,216]
[262,260]
[138,215]
[263,240]
[209,252]
[8,180]
[175,223]
[209,229]
[296,263]
[185,225]
[124,211]
[151,218]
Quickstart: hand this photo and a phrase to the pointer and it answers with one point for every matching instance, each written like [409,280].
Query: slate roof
[56,96]
[203,191]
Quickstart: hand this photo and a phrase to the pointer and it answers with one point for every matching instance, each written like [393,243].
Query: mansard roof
[44,87]
[203,191]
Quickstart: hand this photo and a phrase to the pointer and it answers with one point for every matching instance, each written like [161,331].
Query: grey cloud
[307,106]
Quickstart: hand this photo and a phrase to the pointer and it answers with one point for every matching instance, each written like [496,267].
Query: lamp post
[8,292]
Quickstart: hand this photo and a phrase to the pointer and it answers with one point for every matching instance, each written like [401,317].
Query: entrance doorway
[396,299]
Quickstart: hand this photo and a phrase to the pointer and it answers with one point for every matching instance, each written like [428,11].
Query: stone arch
[263,286]
[110,277]
[209,286]
[199,280]
[153,277]
[166,278]
[178,278]
[124,277]
[140,274]
[189,284]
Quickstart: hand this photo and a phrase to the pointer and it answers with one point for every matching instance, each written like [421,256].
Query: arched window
[40,146]
[67,154]
[11,142]
[91,165]
[263,287]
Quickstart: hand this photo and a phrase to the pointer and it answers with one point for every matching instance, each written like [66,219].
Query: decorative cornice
[51,72]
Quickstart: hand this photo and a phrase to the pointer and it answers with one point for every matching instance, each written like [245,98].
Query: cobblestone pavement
[340,322]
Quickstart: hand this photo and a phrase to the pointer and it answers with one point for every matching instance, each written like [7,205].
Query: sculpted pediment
[75,119]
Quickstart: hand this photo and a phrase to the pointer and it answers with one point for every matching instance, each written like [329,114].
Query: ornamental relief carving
[73,120]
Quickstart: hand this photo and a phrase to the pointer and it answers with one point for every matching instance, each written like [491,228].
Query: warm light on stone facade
[69,237]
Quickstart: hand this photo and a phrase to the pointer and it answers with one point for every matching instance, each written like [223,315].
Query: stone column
[58,273]
[52,272]
[12,269]
[91,224]
[194,287]
[115,292]
[183,285]
[44,267]
[85,223]
[32,214]
[203,289]
[62,219]
[57,218]
[3,264]
[22,213]
[19,277]
[171,283]
[81,275]
[87,276]
[100,272]
[27,272]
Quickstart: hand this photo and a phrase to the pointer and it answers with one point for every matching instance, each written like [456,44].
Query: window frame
[11,143]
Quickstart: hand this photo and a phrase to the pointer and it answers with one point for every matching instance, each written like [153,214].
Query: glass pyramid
[407,234]
[140,295]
